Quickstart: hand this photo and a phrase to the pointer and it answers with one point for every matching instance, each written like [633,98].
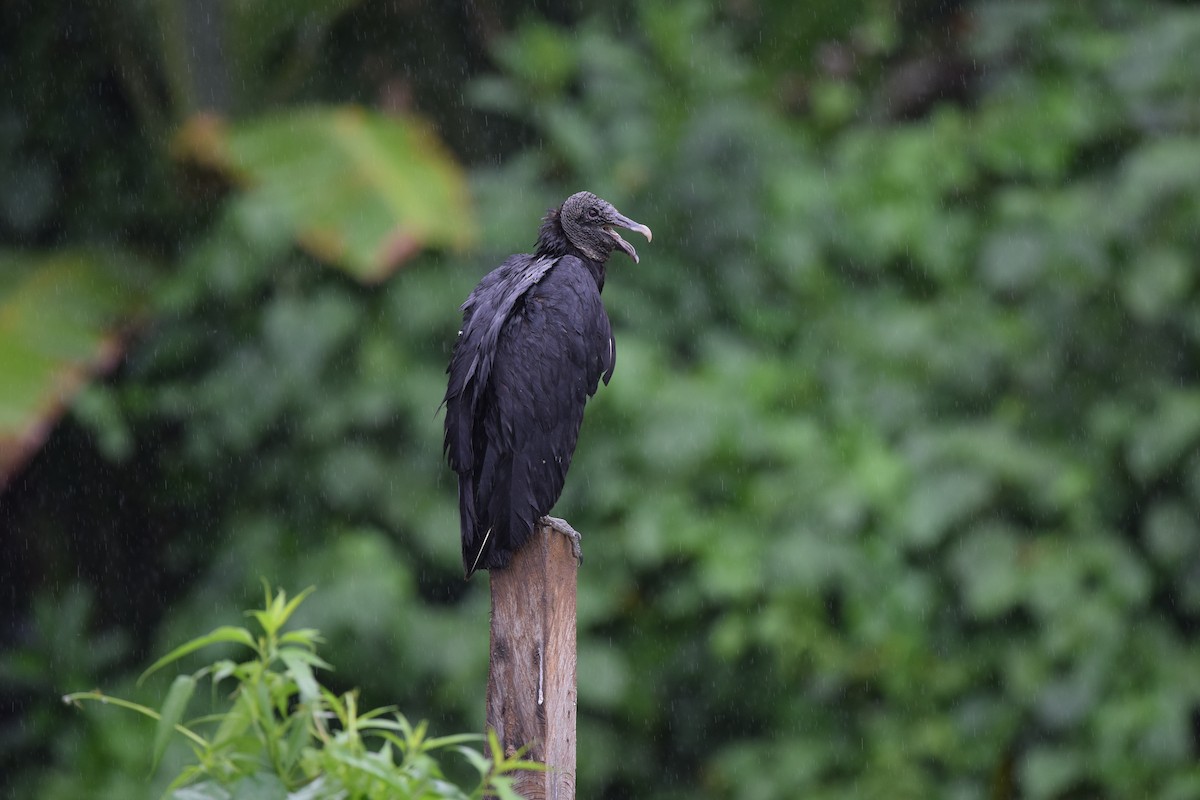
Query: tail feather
[482,547]
[472,548]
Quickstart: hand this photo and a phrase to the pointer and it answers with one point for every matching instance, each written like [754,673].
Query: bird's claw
[563,527]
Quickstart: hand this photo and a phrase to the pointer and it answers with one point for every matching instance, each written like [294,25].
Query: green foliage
[894,491]
[359,190]
[60,319]
[887,401]
[284,735]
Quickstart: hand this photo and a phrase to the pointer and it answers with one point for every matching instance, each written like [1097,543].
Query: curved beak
[628,224]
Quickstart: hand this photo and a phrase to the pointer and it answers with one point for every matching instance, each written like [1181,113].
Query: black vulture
[534,344]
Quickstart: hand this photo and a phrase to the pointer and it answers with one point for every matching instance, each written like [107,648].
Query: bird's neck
[553,243]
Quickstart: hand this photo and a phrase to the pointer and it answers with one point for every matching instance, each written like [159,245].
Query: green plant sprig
[286,734]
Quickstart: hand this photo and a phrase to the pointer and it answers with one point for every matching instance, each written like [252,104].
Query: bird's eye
[593,212]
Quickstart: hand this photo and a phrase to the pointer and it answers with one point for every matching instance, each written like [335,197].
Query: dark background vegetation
[894,493]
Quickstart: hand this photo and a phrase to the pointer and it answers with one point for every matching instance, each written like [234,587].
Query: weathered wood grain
[531,680]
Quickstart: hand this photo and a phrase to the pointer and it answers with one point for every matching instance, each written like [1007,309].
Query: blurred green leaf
[208,790]
[225,633]
[301,672]
[540,54]
[1165,435]
[1050,772]
[173,709]
[64,317]
[358,189]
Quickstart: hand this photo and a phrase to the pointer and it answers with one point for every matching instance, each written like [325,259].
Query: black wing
[485,311]
[513,420]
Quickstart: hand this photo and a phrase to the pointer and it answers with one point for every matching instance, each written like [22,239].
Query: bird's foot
[563,527]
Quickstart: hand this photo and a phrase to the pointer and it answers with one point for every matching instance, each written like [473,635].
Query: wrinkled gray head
[588,223]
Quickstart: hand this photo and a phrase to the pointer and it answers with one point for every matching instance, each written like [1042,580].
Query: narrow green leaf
[494,746]
[378,712]
[264,620]
[385,754]
[517,764]
[301,673]
[222,669]
[269,617]
[335,705]
[298,738]
[383,724]
[289,609]
[278,602]
[369,766]
[307,656]
[351,720]
[263,707]
[207,718]
[417,737]
[172,712]
[481,764]
[189,773]
[448,741]
[225,633]
[307,637]
[391,738]
[235,721]
[405,726]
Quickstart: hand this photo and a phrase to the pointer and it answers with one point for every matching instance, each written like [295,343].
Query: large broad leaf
[360,190]
[61,318]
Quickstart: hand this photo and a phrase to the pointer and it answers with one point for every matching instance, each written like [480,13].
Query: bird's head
[588,222]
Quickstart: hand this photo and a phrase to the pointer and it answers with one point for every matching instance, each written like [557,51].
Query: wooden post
[531,677]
